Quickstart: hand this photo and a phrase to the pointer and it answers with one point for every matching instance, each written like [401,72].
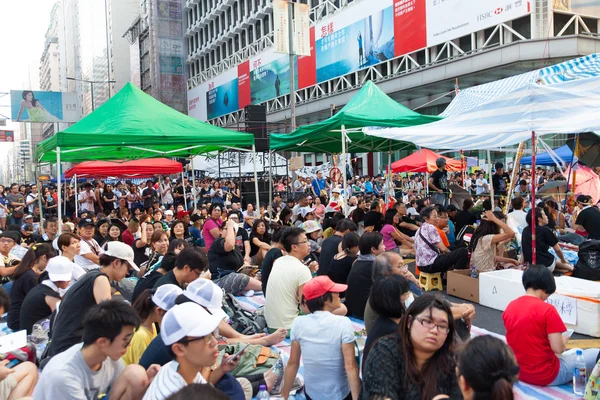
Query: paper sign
[566,307]
[13,341]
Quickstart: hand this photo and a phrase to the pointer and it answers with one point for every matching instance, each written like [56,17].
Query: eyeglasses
[306,241]
[429,324]
[207,338]
[197,272]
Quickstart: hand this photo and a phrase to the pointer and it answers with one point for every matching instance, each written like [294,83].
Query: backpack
[242,320]
[588,265]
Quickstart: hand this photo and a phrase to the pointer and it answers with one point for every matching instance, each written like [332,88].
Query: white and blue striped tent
[579,68]
[567,107]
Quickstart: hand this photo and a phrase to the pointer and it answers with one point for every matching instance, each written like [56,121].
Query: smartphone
[231,358]
[13,363]
[568,333]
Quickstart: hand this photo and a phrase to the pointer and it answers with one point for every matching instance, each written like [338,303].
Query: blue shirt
[318,185]
[368,187]
[450,234]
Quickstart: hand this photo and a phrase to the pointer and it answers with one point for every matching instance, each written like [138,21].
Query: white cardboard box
[498,288]
[588,311]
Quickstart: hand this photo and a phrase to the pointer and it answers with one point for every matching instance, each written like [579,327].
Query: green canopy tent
[342,133]
[134,125]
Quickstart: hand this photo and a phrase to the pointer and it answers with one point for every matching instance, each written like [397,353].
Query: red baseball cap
[182,213]
[320,285]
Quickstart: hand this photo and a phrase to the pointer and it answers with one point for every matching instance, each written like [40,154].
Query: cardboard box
[460,284]
[498,288]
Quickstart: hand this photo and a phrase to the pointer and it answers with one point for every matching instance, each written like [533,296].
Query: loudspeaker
[256,124]
[248,193]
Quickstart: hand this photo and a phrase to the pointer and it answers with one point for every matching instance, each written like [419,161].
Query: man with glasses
[286,281]
[92,288]
[189,331]
[92,369]
[189,266]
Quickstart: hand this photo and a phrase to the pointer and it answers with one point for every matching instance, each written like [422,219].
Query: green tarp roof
[132,125]
[369,107]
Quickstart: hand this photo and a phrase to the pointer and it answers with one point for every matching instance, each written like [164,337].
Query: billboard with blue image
[369,41]
[222,99]
[271,79]
[36,106]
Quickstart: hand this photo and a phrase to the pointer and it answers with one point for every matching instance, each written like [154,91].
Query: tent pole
[255,177]
[269,207]
[389,173]
[575,155]
[533,216]
[515,176]
[183,186]
[196,190]
[343,168]
[76,198]
[240,173]
[58,179]
[490,183]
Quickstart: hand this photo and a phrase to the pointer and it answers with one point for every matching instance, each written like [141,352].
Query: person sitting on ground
[405,224]
[319,336]
[416,362]
[392,236]
[389,295]
[542,357]
[159,244]
[314,231]
[101,232]
[69,246]
[486,368]
[373,221]
[191,264]
[93,288]
[242,240]
[190,332]
[544,240]
[166,264]
[225,261]
[331,246]
[341,265]
[287,279]
[133,227]
[90,369]
[25,278]
[588,218]
[43,299]
[8,262]
[273,254]
[557,222]
[360,277]
[486,243]
[431,254]
[260,241]
[89,255]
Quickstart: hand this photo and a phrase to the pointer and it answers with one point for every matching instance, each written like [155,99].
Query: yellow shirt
[139,342]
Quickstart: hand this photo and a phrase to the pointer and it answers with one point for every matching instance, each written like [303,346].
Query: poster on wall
[222,95]
[347,43]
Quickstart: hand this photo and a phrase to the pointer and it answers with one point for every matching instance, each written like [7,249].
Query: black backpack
[242,320]
[588,266]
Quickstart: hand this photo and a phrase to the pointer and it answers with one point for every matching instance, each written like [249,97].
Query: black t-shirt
[375,219]
[156,353]
[329,249]
[68,326]
[240,238]
[544,239]
[266,238]
[21,286]
[440,180]
[340,269]
[140,254]
[167,278]
[34,307]
[267,265]
[406,231]
[359,287]
[462,219]
[500,183]
[590,220]
[219,259]
[382,326]
[109,205]
[149,202]
[147,282]
[178,200]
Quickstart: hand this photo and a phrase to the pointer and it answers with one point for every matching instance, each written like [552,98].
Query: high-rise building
[157,51]
[415,50]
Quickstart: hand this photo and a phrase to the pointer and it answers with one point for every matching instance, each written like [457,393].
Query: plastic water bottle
[579,374]
[264,395]
[474,272]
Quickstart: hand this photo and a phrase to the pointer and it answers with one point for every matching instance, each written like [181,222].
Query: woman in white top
[484,245]
[69,247]
[326,343]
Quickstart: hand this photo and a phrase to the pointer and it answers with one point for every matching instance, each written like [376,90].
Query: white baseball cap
[60,269]
[336,190]
[165,296]
[187,319]
[122,252]
[169,212]
[207,294]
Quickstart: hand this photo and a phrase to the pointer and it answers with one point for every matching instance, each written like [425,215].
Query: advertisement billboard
[38,106]
[584,7]
[222,95]
[7,136]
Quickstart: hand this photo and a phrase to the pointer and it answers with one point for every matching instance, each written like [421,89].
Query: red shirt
[128,238]
[528,322]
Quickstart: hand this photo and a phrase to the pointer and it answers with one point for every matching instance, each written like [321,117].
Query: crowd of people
[139,287]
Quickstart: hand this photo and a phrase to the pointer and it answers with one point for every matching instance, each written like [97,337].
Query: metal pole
[196,189]
[255,177]
[269,207]
[490,183]
[292,65]
[76,198]
[58,174]
[240,173]
[388,176]
[533,217]
[92,93]
[183,186]
[343,168]
[38,183]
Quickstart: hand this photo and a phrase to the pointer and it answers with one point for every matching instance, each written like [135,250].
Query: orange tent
[424,161]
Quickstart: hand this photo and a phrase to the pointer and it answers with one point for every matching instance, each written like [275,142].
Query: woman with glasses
[416,362]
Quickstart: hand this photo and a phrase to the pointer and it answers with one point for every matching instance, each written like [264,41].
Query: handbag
[256,359]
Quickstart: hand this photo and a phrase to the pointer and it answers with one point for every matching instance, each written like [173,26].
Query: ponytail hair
[143,305]
[350,240]
[33,254]
[489,367]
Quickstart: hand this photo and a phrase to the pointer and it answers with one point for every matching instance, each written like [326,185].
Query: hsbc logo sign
[489,14]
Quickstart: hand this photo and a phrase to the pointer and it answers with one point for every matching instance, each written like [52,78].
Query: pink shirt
[208,225]
[388,239]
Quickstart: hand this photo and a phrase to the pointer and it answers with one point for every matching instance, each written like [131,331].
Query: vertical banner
[301,29]
[281,27]
[307,65]
[244,97]
[410,26]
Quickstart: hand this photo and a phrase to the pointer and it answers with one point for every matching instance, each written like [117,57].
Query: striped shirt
[167,382]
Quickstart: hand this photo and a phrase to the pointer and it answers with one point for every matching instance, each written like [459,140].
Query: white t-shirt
[86,249]
[31,197]
[167,382]
[321,335]
[167,198]
[68,377]
[480,186]
[519,217]
[281,305]
[84,196]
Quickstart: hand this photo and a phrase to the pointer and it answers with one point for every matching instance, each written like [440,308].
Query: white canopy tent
[509,119]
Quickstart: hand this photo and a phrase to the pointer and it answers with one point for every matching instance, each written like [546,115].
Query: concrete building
[416,51]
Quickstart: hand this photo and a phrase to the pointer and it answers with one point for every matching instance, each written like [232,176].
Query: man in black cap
[89,256]
[500,180]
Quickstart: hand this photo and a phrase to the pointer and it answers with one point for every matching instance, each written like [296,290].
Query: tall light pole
[92,87]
